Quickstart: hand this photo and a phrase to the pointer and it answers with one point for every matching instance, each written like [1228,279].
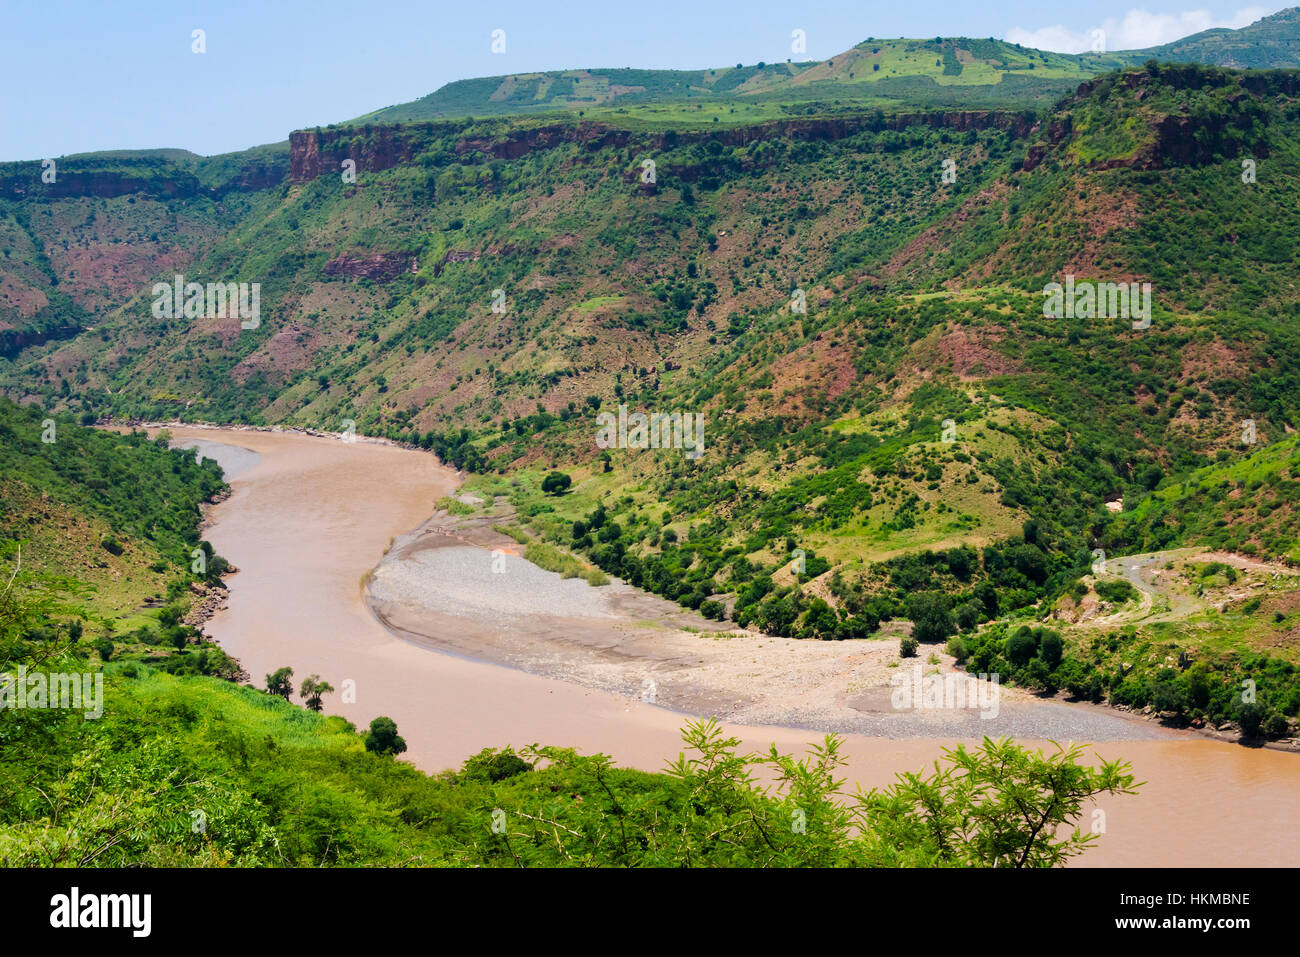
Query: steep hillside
[101,548]
[1268,43]
[58,480]
[488,288]
[377,298]
[80,237]
[1243,503]
[1174,175]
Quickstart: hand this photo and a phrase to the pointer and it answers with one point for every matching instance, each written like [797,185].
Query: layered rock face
[313,153]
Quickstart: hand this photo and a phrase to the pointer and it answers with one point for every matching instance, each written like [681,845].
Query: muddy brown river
[309,517]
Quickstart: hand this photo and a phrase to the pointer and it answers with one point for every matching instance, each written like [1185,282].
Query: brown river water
[309,517]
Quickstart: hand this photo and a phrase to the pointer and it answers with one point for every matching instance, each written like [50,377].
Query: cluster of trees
[382,738]
[454,448]
[941,591]
[1256,691]
[697,571]
[140,488]
[946,592]
[792,614]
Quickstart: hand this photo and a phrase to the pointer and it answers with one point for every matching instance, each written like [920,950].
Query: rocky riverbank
[460,585]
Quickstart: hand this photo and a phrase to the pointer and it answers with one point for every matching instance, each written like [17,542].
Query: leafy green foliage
[382,738]
[140,489]
[931,616]
[556,483]
[1122,669]
[280,683]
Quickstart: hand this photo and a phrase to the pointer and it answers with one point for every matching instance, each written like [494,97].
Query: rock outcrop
[380,267]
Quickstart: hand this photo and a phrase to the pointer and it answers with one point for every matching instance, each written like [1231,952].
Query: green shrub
[1021,647]
[1250,715]
[1275,726]
[968,615]
[383,738]
[1117,592]
[1049,648]
[493,765]
[931,616]
[556,483]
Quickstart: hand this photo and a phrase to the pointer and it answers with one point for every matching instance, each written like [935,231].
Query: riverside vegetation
[187,767]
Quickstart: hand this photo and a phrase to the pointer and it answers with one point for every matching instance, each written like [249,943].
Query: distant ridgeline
[159,174]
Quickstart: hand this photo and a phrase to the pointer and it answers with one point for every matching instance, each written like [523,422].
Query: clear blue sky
[93,75]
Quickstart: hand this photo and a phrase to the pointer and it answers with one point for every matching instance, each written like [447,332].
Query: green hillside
[73,249]
[942,72]
[1244,503]
[101,546]
[923,306]
[1272,42]
[948,72]
[112,511]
